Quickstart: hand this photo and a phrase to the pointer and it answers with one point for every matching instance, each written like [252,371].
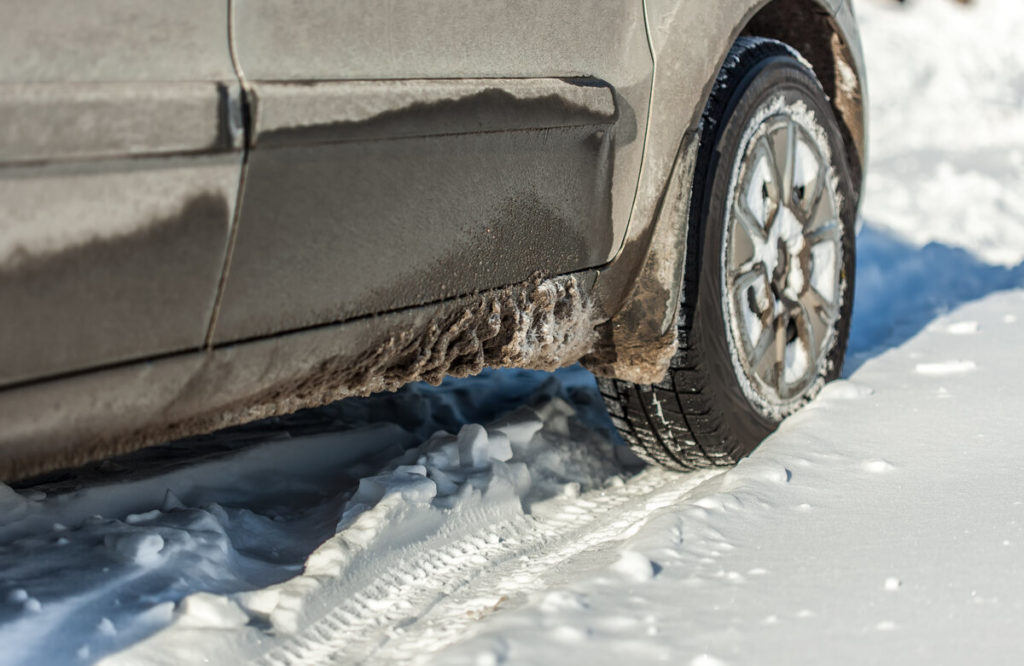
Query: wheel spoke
[781,333]
[782,149]
[810,331]
[825,256]
[760,197]
[755,234]
[763,355]
[751,297]
[746,279]
[821,212]
[807,158]
[829,231]
[818,196]
[813,301]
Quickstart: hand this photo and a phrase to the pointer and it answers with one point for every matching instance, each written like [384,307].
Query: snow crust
[497,519]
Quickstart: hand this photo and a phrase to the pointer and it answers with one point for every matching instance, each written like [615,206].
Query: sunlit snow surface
[884,523]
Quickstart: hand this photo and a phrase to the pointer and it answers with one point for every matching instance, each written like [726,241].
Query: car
[216,211]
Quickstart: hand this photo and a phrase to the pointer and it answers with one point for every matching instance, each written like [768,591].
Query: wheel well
[638,341]
[810,29]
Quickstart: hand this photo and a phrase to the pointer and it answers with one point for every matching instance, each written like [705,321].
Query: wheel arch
[640,289]
[818,36]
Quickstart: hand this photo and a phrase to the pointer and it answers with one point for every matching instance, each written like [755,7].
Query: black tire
[709,409]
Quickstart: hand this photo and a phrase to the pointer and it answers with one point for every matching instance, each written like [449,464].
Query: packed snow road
[885,523]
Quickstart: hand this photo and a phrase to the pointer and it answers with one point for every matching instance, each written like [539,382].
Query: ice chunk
[370,491]
[134,518]
[417,488]
[473,446]
[445,485]
[410,481]
[142,548]
[634,566]
[844,389]
[106,627]
[260,601]
[499,447]
[520,426]
[211,611]
[171,502]
[962,328]
[12,505]
[945,368]
[877,466]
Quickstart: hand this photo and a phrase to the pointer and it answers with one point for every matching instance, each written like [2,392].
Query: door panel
[406,152]
[422,39]
[509,179]
[120,155]
[58,41]
[399,39]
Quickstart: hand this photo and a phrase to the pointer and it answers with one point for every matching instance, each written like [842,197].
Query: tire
[771,227]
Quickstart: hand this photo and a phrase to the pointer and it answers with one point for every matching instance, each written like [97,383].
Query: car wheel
[767,297]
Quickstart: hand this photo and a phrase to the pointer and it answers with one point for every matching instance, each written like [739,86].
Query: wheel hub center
[782,259]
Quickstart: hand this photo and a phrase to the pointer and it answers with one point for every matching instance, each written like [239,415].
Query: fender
[640,289]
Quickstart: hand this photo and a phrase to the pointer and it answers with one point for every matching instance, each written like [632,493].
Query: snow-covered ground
[884,523]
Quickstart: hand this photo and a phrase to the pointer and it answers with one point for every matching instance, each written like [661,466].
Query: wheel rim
[783,261]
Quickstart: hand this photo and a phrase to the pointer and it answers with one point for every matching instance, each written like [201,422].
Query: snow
[497,519]
[947,133]
[880,526]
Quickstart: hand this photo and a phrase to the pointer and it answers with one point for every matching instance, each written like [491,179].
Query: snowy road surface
[884,523]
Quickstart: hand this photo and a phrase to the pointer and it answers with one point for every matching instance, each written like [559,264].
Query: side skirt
[541,324]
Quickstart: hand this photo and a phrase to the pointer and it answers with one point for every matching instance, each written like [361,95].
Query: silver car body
[217,210]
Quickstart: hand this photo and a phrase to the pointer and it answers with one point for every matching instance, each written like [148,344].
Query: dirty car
[213,212]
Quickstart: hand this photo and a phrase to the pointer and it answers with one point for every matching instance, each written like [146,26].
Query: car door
[405,152]
[119,170]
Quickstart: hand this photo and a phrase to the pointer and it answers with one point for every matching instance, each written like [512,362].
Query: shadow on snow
[901,288]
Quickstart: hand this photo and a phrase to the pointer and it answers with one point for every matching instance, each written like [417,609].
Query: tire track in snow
[401,615]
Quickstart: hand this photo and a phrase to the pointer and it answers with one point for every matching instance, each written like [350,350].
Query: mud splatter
[541,324]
